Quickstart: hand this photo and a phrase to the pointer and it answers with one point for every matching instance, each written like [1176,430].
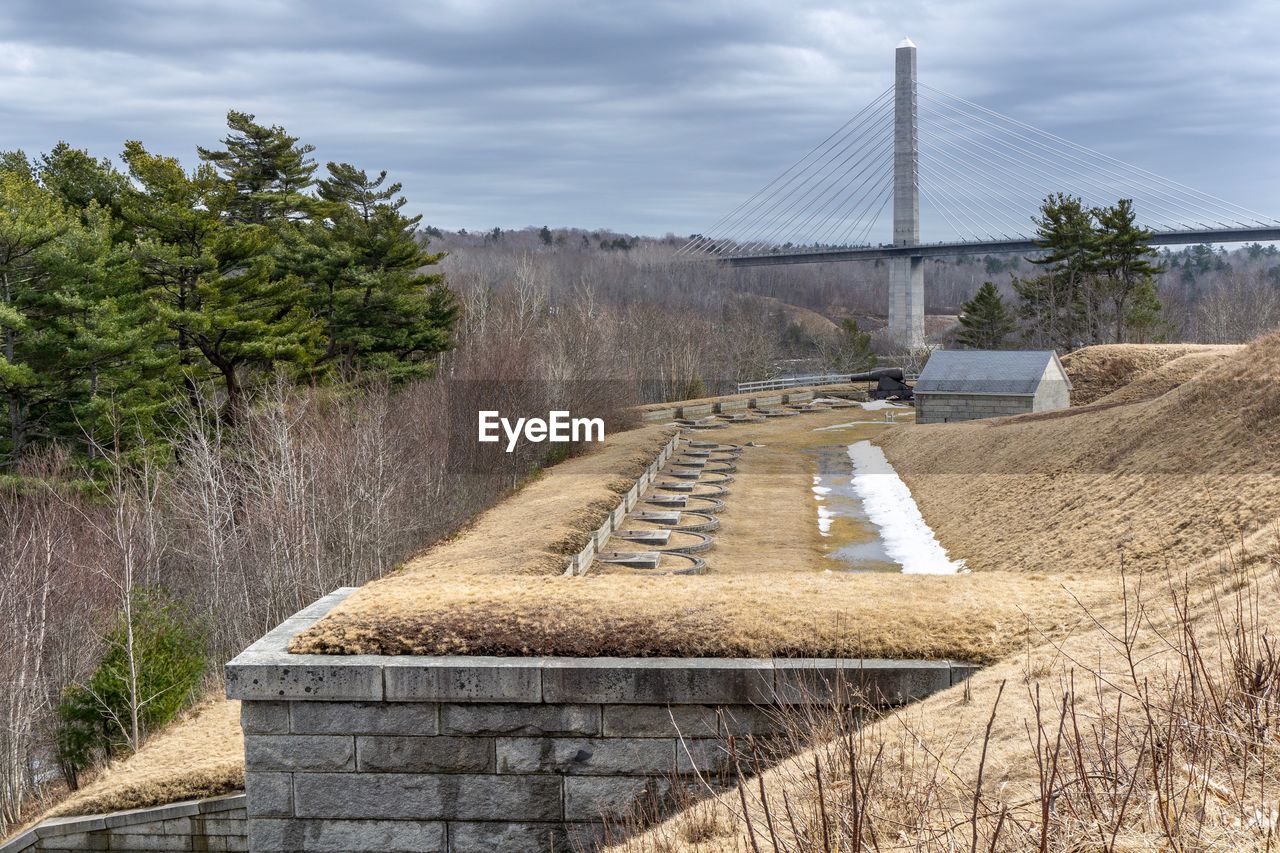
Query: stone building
[961,385]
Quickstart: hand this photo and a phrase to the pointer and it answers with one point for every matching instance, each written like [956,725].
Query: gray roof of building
[1012,372]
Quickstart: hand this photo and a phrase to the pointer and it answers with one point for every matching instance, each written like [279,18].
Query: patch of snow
[819,491]
[845,426]
[877,405]
[824,520]
[908,540]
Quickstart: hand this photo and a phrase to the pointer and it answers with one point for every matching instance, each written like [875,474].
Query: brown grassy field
[201,755]
[766,592]
[1158,482]
[1099,370]
[1044,508]
[1143,727]
[1149,724]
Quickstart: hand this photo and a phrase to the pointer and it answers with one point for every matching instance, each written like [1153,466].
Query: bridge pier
[906,274]
[906,301]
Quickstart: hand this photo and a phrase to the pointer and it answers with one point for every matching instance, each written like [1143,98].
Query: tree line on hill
[1098,283]
[721,326]
[228,390]
[122,291]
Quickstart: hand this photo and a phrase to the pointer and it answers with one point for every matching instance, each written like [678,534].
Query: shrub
[154,662]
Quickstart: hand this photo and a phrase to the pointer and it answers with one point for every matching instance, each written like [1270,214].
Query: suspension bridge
[982,177]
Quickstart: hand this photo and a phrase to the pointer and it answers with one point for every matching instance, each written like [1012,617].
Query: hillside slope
[1178,476]
[1097,371]
[1185,487]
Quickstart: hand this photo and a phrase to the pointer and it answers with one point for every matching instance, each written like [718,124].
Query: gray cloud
[640,116]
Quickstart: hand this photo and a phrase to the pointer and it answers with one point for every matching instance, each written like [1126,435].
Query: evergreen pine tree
[1144,319]
[266,172]
[1060,303]
[1123,262]
[379,310]
[986,320]
[215,278]
[31,221]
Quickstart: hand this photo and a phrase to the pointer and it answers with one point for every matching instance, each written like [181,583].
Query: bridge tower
[906,274]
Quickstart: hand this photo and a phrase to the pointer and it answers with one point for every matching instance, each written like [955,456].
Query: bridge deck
[991,247]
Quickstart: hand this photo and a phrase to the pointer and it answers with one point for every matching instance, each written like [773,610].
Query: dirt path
[770,522]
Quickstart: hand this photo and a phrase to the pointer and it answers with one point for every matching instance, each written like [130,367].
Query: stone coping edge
[580,562]
[267,671]
[58,826]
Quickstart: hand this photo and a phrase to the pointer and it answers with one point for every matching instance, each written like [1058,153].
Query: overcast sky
[646,116]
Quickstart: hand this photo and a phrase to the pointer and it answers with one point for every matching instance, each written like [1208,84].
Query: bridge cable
[1070,176]
[1130,175]
[764,219]
[764,225]
[766,187]
[1259,218]
[747,215]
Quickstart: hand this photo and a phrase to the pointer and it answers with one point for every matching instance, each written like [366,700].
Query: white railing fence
[794,381]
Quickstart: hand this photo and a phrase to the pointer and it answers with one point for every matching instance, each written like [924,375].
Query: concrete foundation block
[330,753]
[463,679]
[875,682]
[601,536]
[587,756]
[347,836]
[696,410]
[268,794]
[443,754]
[408,796]
[657,680]
[150,843]
[282,676]
[77,842]
[493,837]
[364,718]
[743,720]
[660,721]
[597,798]
[520,719]
[230,825]
[264,718]
[706,757]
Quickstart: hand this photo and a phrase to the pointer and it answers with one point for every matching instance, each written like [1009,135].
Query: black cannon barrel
[880,372]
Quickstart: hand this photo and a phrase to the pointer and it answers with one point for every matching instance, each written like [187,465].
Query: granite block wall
[371,753]
[217,825]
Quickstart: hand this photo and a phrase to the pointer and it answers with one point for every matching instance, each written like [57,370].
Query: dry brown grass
[1171,374]
[766,593]
[1101,370]
[452,597]
[202,755]
[1151,726]
[1163,485]
[977,617]
[1035,504]
[1166,481]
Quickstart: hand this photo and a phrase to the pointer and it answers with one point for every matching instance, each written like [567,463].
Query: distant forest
[231,386]
[799,317]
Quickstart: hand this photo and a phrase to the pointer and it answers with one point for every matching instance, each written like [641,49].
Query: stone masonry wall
[932,408]
[463,754]
[216,825]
